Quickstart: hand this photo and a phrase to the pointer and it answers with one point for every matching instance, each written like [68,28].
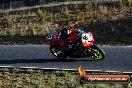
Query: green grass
[38,78]
[32,78]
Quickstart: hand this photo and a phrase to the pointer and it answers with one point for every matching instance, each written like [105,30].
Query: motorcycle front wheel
[55,51]
[97,53]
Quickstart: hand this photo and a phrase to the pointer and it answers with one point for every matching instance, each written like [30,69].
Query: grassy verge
[36,78]
[31,78]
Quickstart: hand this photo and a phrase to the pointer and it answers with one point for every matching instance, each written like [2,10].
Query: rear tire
[54,51]
[97,53]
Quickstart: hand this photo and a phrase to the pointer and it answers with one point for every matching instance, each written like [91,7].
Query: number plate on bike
[86,38]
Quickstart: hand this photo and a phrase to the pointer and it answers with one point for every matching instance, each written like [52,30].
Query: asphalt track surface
[118,58]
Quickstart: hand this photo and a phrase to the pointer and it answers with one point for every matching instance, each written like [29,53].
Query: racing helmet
[64,33]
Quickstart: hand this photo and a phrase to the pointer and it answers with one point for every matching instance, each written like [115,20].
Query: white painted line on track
[29,67]
[5,66]
[94,70]
[128,46]
[61,69]
[111,71]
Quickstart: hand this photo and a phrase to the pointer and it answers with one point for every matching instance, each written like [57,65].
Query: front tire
[97,53]
[55,51]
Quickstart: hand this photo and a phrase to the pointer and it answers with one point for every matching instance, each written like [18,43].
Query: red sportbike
[84,47]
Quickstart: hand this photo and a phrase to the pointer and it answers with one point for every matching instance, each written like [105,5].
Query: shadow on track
[15,61]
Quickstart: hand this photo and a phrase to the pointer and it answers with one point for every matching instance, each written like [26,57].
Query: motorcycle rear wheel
[54,51]
[97,53]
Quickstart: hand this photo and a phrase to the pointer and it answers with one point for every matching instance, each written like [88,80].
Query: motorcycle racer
[70,37]
[73,43]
